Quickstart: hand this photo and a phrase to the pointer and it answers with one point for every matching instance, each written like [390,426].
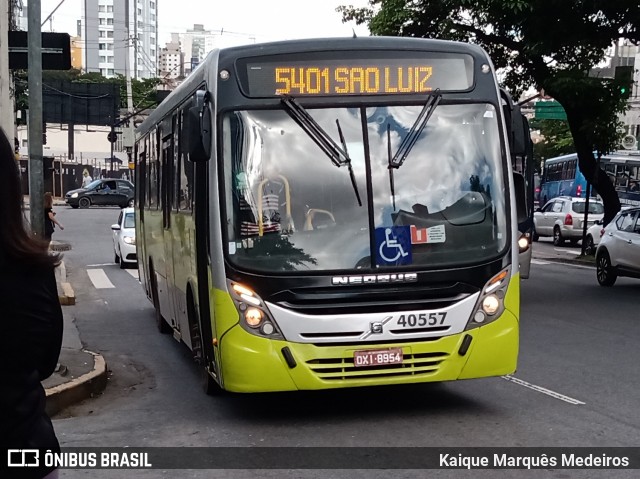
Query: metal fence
[61,176]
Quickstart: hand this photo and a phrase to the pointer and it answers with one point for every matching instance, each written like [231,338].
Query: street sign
[549,110]
[629,142]
[56,51]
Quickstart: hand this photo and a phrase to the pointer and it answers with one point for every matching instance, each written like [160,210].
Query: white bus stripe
[99,279]
[542,390]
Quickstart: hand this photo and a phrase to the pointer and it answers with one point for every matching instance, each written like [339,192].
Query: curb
[59,246]
[81,388]
[66,295]
[578,262]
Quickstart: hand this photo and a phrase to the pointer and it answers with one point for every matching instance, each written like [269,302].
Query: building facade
[114,27]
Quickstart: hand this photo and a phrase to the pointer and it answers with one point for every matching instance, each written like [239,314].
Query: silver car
[618,253]
[562,218]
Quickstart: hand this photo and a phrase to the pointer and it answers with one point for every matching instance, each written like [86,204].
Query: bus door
[167,157]
[179,230]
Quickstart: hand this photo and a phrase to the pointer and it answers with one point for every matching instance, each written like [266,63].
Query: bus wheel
[209,385]
[558,240]
[161,324]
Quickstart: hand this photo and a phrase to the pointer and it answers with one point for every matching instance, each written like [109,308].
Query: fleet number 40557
[421,319]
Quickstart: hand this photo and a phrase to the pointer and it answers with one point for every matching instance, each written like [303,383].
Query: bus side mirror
[520,190]
[199,133]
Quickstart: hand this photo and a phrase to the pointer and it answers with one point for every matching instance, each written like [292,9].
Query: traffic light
[112,137]
[624,78]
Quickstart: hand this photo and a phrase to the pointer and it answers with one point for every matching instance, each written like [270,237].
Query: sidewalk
[80,374]
[563,257]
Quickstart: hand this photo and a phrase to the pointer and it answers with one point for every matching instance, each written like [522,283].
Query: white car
[592,239]
[594,233]
[124,238]
[618,253]
[562,218]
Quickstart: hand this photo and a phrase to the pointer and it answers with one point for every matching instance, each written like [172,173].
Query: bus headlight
[491,301]
[255,317]
[491,304]
[523,242]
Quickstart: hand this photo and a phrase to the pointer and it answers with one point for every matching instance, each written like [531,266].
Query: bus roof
[349,43]
[197,77]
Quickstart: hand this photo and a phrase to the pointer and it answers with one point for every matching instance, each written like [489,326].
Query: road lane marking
[99,264]
[537,261]
[133,272]
[99,279]
[542,390]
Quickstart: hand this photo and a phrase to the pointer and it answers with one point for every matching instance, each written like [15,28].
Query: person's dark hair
[17,245]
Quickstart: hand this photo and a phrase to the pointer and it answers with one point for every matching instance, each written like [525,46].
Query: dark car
[107,192]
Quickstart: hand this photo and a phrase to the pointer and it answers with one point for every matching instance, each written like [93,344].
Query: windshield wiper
[338,155]
[348,162]
[416,129]
[390,167]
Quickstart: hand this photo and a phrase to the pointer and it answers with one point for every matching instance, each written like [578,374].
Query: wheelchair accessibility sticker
[393,245]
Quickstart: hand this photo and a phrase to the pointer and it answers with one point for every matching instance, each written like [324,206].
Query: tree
[550,44]
[557,139]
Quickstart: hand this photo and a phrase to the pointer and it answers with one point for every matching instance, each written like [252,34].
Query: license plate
[377,357]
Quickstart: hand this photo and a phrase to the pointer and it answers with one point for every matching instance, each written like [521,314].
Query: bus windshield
[289,208]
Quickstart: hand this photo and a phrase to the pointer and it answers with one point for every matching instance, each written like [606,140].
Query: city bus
[562,177]
[331,213]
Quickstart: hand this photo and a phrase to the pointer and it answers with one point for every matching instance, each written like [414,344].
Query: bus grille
[337,369]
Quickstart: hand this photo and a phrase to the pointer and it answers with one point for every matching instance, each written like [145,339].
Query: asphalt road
[576,384]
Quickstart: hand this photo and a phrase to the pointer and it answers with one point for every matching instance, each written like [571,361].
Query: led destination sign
[359,77]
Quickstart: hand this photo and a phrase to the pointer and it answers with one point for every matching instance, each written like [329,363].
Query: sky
[262,20]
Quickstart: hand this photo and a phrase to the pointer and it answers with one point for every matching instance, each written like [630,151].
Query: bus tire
[161,323]
[558,240]
[207,382]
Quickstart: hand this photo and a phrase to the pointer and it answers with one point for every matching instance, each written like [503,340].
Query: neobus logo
[374,279]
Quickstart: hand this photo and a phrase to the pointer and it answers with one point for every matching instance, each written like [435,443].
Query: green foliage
[557,139]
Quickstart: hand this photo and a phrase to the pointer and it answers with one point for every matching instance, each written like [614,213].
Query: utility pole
[36,163]
[6,104]
[127,140]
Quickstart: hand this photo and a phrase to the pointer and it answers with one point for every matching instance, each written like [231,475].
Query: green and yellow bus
[332,213]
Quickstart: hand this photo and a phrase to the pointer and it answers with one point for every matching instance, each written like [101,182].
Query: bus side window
[186,178]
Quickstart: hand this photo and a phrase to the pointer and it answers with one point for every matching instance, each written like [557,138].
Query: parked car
[106,192]
[124,238]
[536,190]
[618,253]
[563,217]
[592,239]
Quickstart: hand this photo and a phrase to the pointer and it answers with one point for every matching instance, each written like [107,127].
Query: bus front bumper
[255,364]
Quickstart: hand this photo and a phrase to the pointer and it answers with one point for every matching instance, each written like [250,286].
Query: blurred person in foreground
[31,325]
